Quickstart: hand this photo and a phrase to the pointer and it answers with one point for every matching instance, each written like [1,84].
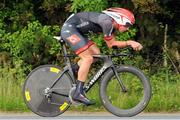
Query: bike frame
[108,64]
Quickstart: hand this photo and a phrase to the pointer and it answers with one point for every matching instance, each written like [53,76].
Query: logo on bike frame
[99,73]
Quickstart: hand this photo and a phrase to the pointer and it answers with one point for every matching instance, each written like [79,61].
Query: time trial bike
[124,90]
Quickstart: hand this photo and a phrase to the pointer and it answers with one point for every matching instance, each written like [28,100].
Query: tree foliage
[88,5]
[27,27]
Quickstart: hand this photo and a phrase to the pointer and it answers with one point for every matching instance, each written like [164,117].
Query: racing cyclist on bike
[74,32]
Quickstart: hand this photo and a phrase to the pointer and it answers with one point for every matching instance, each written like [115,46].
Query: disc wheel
[38,96]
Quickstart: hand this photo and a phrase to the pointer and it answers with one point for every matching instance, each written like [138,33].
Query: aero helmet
[121,15]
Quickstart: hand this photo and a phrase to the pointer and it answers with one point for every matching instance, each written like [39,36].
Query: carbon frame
[108,63]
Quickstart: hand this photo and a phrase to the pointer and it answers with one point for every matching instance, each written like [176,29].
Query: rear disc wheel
[42,100]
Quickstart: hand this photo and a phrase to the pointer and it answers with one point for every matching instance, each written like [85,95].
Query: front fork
[119,79]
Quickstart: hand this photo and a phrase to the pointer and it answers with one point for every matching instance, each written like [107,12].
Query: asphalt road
[90,116]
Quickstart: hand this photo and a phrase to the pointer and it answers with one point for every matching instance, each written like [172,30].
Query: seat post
[63,47]
[66,58]
[65,54]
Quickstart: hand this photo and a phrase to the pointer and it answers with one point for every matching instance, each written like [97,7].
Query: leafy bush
[33,44]
[86,5]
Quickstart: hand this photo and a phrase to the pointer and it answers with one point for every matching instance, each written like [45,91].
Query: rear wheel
[42,100]
[131,102]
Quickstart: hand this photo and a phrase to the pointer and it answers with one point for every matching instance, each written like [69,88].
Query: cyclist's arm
[121,44]
[113,42]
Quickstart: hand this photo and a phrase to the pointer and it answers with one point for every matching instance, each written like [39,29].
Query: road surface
[90,116]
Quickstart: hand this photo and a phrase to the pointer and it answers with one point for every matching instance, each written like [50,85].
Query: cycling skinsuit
[75,29]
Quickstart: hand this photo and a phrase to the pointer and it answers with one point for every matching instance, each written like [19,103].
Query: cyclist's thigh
[94,49]
[86,54]
[75,39]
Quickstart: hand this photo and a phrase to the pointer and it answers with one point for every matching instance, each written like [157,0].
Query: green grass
[165,93]
[10,90]
[166,98]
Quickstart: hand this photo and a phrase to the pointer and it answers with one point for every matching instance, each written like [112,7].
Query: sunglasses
[127,25]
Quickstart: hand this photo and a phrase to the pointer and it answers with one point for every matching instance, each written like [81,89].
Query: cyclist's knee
[88,59]
[94,49]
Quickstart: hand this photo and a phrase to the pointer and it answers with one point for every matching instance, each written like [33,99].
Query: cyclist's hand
[135,45]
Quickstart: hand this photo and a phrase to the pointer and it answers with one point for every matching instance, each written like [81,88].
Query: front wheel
[130,102]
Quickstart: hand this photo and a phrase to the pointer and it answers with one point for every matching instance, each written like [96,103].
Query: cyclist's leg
[85,63]
[93,49]
[80,45]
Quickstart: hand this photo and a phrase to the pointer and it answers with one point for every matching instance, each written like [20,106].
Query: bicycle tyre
[33,91]
[106,99]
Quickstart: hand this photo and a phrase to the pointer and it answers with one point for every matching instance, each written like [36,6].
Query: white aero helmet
[121,15]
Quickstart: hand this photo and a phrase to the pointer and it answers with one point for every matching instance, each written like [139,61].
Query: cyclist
[74,32]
